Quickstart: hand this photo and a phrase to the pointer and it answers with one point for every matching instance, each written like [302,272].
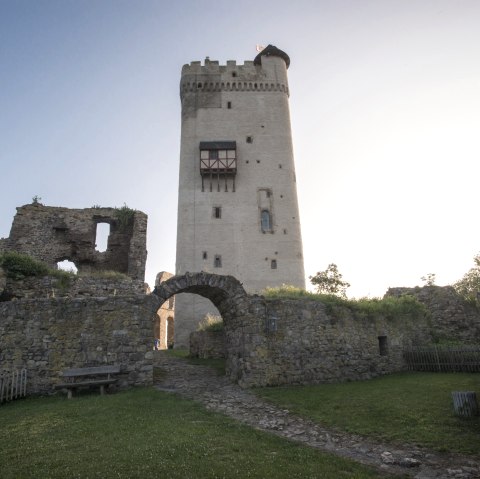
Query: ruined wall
[299,342]
[452,317]
[164,327]
[75,287]
[53,234]
[207,344]
[50,335]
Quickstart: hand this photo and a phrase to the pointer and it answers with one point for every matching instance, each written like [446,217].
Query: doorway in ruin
[225,294]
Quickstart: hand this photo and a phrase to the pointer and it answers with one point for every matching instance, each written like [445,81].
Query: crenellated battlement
[206,86]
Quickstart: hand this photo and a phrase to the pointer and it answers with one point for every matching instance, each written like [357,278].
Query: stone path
[218,394]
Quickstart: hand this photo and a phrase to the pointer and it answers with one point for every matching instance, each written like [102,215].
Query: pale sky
[385,108]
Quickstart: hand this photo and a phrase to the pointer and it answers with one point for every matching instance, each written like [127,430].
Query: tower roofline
[272,51]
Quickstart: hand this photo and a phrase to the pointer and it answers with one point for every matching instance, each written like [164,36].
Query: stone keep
[237,203]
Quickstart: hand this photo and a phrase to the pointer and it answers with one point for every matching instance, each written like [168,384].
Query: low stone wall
[207,344]
[49,335]
[299,342]
[79,286]
[452,318]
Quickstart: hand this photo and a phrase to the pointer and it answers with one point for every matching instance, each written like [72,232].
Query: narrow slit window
[217,212]
[229,105]
[273,264]
[249,139]
[217,262]
[204,255]
[266,221]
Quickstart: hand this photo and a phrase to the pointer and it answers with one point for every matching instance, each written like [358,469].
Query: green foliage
[36,200]
[19,266]
[469,285]
[330,282]
[211,323]
[410,408]
[149,433]
[96,207]
[124,216]
[429,279]
[389,307]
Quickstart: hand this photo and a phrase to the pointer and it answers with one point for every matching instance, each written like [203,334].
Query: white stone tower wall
[233,103]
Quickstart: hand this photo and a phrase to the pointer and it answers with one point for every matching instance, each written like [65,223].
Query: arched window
[266,221]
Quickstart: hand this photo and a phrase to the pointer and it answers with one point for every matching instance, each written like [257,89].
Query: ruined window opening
[229,105]
[273,264]
[101,238]
[217,212]
[249,139]
[266,221]
[204,255]
[383,345]
[67,265]
[217,262]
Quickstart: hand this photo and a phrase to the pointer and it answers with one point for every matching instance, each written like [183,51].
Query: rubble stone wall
[207,344]
[53,234]
[49,335]
[299,342]
[452,317]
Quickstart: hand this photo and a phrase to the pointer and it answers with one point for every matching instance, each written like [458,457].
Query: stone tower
[237,202]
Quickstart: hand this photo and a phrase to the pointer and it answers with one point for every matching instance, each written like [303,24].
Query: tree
[469,285]
[330,282]
[429,279]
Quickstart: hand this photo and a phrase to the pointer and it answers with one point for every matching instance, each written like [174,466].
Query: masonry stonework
[53,234]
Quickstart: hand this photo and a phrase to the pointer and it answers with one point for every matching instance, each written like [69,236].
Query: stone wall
[207,344]
[77,286]
[300,342]
[49,335]
[53,234]
[452,317]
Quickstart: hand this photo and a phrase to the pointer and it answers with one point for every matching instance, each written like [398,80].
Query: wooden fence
[443,358]
[13,385]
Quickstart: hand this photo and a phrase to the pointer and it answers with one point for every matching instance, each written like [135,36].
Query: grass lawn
[408,407]
[147,433]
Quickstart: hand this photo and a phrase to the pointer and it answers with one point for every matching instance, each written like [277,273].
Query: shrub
[211,323]
[124,216]
[19,266]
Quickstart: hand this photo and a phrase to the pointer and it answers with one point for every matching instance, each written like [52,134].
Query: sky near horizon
[385,110]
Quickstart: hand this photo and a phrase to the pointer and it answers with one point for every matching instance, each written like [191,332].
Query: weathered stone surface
[50,335]
[451,316]
[53,234]
[207,344]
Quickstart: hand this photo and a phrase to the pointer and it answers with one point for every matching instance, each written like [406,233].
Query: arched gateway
[225,292]
[231,300]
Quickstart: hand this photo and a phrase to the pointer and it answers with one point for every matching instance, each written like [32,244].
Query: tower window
[234,74]
[273,264]
[266,221]
[217,262]
[217,212]
[204,255]
[249,139]
[229,105]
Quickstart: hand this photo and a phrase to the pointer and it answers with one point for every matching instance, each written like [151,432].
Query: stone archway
[231,300]
[225,292]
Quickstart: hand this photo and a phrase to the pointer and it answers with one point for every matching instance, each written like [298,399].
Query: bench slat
[74,372]
[97,382]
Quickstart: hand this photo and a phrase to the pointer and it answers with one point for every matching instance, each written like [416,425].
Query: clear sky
[385,107]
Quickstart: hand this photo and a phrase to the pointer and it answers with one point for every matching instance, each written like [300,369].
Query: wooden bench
[79,378]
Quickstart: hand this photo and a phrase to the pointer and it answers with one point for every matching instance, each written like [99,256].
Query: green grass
[146,433]
[407,408]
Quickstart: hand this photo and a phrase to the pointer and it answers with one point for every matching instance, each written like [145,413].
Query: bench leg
[69,394]
[102,390]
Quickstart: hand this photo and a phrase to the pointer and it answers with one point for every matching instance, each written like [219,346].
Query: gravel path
[218,394]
